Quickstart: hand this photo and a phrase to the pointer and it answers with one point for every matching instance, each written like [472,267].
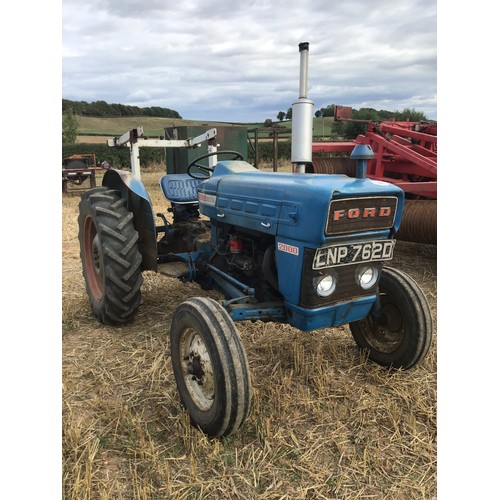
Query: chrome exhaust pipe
[302,118]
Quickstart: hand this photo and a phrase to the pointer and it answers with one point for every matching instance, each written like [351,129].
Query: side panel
[289,259]
[139,203]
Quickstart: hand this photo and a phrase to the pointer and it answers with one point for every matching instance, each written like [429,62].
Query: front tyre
[109,251]
[210,367]
[400,335]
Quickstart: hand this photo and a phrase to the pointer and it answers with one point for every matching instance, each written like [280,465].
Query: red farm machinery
[78,168]
[402,153]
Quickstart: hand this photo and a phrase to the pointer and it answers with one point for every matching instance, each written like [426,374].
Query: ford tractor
[307,250]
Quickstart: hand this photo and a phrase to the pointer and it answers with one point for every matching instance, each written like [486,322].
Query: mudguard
[139,203]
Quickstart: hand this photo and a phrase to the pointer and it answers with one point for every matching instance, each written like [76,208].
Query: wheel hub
[194,366]
[198,371]
[96,255]
[394,320]
[385,335]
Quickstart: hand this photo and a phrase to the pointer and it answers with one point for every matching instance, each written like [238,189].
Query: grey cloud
[239,61]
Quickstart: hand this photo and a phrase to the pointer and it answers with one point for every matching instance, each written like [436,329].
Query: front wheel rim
[197,369]
[387,337]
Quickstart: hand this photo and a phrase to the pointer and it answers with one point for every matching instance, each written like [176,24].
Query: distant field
[110,127]
[152,126]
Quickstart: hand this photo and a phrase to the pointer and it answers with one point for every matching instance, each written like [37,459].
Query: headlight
[326,285]
[367,277]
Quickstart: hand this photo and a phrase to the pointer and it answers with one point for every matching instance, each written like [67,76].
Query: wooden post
[256,135]
[275,150]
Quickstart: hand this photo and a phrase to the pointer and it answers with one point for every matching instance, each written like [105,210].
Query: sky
[238,61]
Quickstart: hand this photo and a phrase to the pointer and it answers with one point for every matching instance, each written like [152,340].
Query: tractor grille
[352,215]
[347,285]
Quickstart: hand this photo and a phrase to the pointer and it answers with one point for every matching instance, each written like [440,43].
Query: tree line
[351,129]
[103,109]
[364,114]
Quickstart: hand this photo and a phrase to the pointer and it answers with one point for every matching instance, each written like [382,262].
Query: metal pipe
[233,281]
[302,117]
[304,68]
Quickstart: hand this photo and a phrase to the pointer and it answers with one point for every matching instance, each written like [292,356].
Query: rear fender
[139,203]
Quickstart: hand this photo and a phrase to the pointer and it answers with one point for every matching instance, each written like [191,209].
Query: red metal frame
[405,155]
[77,176]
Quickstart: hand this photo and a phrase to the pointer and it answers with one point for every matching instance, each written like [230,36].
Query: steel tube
[304,69]
[238,284]
[302,127]
[302,117]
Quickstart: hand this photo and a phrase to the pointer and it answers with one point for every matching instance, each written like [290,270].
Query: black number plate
[340,255]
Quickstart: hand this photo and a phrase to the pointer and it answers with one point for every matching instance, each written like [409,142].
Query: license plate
[341,255]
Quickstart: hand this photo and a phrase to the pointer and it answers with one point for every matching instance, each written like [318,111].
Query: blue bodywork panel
[291,206]
[294,209]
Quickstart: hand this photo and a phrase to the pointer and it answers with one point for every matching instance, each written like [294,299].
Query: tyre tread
[122,259]
[233,363]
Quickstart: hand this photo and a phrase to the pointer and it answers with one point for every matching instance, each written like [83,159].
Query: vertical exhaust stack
[302,118]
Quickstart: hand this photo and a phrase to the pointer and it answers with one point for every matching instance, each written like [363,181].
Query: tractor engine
[248,256]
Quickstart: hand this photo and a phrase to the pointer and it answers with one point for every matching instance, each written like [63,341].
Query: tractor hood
[294,206]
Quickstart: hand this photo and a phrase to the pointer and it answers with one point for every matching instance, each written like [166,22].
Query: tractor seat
[180,188]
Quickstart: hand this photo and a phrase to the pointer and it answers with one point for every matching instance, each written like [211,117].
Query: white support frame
[133,139]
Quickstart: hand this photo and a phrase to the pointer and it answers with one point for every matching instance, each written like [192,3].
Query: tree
[281,115]
[288,115]
[338,129]
[69,127]
[268,123]
[328,111]
[411,115]
[353,129]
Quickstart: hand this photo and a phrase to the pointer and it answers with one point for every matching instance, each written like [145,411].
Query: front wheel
[210,366]
[400,333]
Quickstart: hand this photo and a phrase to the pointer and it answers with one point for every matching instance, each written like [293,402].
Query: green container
[228,138]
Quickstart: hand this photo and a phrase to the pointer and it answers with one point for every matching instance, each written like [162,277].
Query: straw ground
[325,422]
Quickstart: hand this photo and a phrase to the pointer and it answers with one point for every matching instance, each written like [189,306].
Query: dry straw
[325,423]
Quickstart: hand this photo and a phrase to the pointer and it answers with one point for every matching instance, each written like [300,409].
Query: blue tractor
[308,250]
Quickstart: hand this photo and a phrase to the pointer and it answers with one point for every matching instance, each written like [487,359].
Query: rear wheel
[400,334]
[110,255]
[210,366]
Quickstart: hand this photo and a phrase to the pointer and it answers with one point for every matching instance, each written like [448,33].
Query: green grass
[321,126]
[89,125]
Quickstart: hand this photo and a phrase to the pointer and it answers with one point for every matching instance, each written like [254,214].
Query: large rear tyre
[210,367]
[109,251]
[400,335]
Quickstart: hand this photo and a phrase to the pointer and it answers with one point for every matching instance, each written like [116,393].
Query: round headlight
[326,286]
[368,276]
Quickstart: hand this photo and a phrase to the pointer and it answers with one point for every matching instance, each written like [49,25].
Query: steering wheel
[209,170]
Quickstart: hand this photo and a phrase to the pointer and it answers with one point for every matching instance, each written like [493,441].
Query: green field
[154,127]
